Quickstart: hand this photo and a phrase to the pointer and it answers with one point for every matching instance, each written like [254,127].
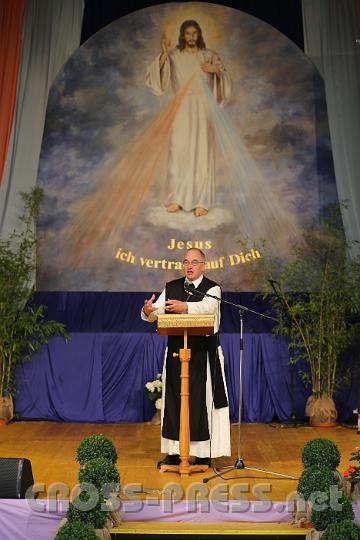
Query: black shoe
[171,459]
[202,461]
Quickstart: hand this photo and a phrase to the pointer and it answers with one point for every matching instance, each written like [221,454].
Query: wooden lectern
[186,325]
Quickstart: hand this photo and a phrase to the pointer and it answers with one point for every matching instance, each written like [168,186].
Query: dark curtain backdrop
[284,15]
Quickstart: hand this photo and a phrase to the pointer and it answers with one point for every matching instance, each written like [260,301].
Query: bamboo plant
[318,307]
[23,328]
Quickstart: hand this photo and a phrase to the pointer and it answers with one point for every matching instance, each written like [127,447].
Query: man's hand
[165,44]
[148,307]
[211,68]
[176,306]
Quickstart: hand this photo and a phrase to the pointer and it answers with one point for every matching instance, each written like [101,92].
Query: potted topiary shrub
[342,530]
[96,446]
[99,480]
[76,530]
[320,458]
[23,328]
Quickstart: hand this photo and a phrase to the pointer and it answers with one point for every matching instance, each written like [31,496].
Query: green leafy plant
[321,452]
[99,472]
[98,479]
[23,328]
[76,530]
[342,530]
[315,479]
[323,518]
[96,516]
[96,446]
[317,305]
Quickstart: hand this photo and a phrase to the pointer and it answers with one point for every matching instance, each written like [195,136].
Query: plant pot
[313,534]
[302,512]
[355,489]
[321,411]
[314,423]
[6,410]
[156,419]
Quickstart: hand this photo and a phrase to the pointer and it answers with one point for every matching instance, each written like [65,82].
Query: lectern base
[184,470]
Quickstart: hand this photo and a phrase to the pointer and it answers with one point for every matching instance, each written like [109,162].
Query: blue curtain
[99,376]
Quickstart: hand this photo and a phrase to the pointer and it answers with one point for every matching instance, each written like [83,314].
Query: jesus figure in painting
[199,75]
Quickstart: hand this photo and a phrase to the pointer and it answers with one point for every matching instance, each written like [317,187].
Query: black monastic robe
[202,349]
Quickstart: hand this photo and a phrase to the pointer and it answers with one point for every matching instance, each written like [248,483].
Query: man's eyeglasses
[193,263]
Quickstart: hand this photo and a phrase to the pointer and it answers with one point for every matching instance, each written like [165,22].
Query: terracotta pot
[314,423]
[6,410]
[355,489]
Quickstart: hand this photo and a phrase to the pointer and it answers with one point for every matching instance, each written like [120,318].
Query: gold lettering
[234,259]
[189,244]
[172,244]
[126,256]
[237,258]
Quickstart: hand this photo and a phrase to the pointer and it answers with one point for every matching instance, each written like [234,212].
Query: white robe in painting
[218,419]
[191,177]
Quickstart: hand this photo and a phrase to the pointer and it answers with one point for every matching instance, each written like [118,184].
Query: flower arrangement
[353,471]
[154,390]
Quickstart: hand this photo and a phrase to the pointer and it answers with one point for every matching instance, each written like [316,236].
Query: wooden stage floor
[51,448]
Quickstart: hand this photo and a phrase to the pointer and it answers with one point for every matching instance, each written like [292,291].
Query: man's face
[194,264]
[191,36]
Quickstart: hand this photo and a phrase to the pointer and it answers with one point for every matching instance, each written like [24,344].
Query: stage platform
[272,447]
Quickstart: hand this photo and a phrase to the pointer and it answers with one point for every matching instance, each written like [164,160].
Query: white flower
[150,386]
[158,403]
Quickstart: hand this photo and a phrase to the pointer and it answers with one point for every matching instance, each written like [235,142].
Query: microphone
[189,288]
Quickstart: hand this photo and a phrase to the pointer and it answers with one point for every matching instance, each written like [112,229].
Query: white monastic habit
[218,419]
[191,179]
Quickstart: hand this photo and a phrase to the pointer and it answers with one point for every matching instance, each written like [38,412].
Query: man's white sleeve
[159,306]
[207,305]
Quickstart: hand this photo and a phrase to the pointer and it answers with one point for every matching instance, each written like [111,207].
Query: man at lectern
[209,410]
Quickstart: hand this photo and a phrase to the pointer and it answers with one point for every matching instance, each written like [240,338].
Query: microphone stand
[239,463]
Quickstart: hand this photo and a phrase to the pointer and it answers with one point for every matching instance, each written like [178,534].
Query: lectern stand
[186,325]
